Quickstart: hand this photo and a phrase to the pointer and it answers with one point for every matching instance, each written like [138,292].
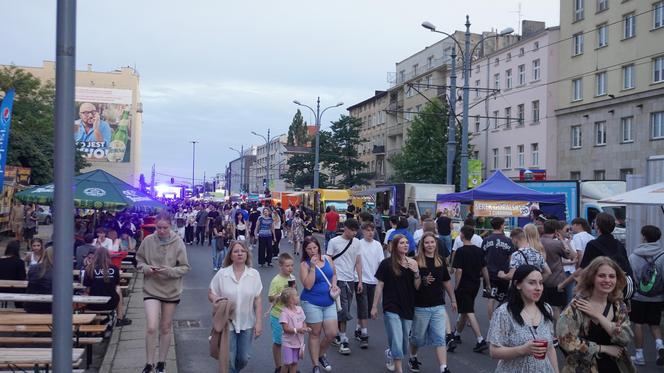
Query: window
[658,69]
[402,76]
[508,157]
[629,26]
[535,106]
[600,83]
[495,158]
[429,62]
[534,153]
[418,108]
[658,14]
[415,68]
[602,35]
[410,92]
[577,41]
[522,74]
[428,80]
[575,175]
[624,172]
[600,133]
[495,119]
[522,51]
[602,5]
[508,58]
[576,137]
[657,125]
[521,159]
[536,45]
[599,174]
[626,129]
[536,69]
[520,112]
[496,61]
[508,116]
[577,89]
[508,78]
[628,76]
[578,10]
[477,124]
[477,91]
[476,154]
[409,114]
[496,81]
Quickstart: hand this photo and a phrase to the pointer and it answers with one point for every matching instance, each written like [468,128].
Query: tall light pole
[267,159]
[318,114]
[193,166]
[241,152]
[464,123]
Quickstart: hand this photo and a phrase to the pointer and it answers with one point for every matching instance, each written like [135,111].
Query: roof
[377,95]
[297,149]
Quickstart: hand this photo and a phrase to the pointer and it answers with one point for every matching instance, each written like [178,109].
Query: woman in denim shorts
[317,272]
[398,277]
[430,320]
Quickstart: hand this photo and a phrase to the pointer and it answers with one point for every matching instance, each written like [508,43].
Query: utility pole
[464,125]
[267,162]
[193,166]
[451,127]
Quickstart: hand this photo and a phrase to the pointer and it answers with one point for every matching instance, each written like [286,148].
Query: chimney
[531,27]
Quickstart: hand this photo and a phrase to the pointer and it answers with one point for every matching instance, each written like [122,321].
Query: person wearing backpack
[647,263]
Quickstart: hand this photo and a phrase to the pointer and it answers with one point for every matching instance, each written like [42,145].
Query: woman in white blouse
[241,284]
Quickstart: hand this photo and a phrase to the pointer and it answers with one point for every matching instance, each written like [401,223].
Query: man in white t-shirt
[345,251]
[581,230]
[372,254]
[103,241]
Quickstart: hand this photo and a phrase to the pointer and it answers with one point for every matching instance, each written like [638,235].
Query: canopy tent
[499,187]
[95,190]
[647,195]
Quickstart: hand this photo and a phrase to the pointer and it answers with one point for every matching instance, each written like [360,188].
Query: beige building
[108,96]
[372,152]
[611,87]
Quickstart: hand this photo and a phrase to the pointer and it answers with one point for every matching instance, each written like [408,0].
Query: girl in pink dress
[292,321]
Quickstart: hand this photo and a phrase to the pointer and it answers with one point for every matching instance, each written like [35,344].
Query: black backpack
[650,282]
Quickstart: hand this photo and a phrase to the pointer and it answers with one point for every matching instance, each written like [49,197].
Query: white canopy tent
[651,195]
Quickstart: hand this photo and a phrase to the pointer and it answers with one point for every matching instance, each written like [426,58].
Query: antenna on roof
[519,16]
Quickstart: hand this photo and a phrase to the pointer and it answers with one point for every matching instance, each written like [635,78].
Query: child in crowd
[292,321]
[284,279]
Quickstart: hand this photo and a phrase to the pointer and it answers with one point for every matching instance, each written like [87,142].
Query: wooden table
[48,298]
[42,319]
[28,357]
[18,284]
[77,272]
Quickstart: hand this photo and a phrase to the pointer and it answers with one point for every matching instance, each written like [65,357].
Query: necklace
[530,317]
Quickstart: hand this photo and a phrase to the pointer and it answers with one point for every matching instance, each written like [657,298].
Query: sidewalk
[126,349]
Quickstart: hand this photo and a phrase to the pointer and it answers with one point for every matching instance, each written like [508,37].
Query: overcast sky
[214,71]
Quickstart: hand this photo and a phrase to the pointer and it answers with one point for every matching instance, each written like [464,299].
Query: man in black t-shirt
[212,218]
[498,249]
[350,210]
[444,225]
[470,265]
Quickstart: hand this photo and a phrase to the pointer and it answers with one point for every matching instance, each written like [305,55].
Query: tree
[31,138]
[297,131]
[344,158]
[423,158]
[301,166]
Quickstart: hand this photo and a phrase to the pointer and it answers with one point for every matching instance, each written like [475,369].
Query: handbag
[334,292]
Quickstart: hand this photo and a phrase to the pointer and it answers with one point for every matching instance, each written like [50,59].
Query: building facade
[372,151]
[238,173]
[611,87]
[113,99]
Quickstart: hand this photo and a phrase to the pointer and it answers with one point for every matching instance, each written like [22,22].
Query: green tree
[301,166]
[423,158]
[31,139]
[297,131]
[344,158]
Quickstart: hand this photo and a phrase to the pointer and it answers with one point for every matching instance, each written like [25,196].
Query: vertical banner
[5,122]
[474,173]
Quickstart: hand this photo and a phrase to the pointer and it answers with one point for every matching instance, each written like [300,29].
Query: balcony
[378,149]
[397,78]
[395,130]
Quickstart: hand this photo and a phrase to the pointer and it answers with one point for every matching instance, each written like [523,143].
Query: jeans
[239,348]
[447,243]
[569,289]
[189,234]
[397,330]
[328,236]
[264,250]
[217,255]
[200,235]
[429,326]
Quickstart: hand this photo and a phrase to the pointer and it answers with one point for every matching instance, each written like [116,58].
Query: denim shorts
[397,330]
[428,326]
[277,330]
[316,314]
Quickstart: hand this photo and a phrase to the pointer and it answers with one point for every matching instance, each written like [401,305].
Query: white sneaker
[389,362]
[638,361]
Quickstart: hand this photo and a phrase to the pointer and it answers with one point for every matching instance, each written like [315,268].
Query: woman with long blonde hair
[529,251]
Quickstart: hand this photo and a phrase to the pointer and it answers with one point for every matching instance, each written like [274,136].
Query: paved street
[192,343]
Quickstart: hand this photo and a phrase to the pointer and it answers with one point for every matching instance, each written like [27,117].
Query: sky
[214,71]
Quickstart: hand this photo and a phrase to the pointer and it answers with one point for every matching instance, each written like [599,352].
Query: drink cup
[541,343]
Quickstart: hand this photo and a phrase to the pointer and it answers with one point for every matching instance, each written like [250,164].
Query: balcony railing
[396,78]
[378,149]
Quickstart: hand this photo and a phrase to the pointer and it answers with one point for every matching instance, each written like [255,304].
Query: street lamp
[267,160]
[451,144]
[241,153]
[317,114]
[193,165]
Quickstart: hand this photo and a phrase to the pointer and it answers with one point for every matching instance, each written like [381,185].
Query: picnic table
[48,298]
[77,272]
[42,319]
[33,357]
[23,284]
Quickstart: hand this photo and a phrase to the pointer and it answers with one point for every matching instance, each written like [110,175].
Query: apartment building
[611,87]
[239,169]
[372,112]
[512,123]
[279,154]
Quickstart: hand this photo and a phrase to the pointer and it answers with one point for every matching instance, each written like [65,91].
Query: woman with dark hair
[297,227]
[102,278]
[40,281]
[521,333]
[594,329]
[318,276]
[240,227]
[37,251]
[11,266]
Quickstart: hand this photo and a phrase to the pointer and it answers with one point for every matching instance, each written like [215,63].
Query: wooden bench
[19,284]
[34,358]
[48,298]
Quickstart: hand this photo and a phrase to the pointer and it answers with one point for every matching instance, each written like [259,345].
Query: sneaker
[446,370]
[336,342]
[160,367]
[660,356]
[358,334]
[344,348]
[638,361]
[364,342]
[316,369]
[450,342]
[457,339]
[148,368]
[481,346]
[123,322]
[389,362]
[414,364]
[324,363]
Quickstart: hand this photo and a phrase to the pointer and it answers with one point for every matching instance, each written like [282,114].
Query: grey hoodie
[637,259]
[169,254]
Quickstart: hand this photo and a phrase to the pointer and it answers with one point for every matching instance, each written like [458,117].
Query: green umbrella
[95,190]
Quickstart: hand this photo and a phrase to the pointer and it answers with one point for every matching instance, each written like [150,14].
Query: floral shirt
[527,256]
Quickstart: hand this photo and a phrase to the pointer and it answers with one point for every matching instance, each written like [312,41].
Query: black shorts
[177,301]
[649,313]
[465,300]
[554,297]
[499,288]
[365,301]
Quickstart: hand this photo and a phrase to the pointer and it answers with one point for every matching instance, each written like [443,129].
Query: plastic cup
[541,343]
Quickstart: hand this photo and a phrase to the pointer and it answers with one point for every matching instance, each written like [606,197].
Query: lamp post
[317,114]
[267,159]
[241,152]
[193,165]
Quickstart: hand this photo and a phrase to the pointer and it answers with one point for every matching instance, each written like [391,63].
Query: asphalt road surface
[193,348]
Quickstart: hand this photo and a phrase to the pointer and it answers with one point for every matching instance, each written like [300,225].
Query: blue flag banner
[5,122]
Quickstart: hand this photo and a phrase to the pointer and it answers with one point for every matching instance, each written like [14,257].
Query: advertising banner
[474,173]
[19,175]
[503,208]
[103,128]
[569,188]
[450,209]
[5,123]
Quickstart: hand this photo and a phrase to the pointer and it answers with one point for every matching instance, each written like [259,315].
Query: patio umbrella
[95,190]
